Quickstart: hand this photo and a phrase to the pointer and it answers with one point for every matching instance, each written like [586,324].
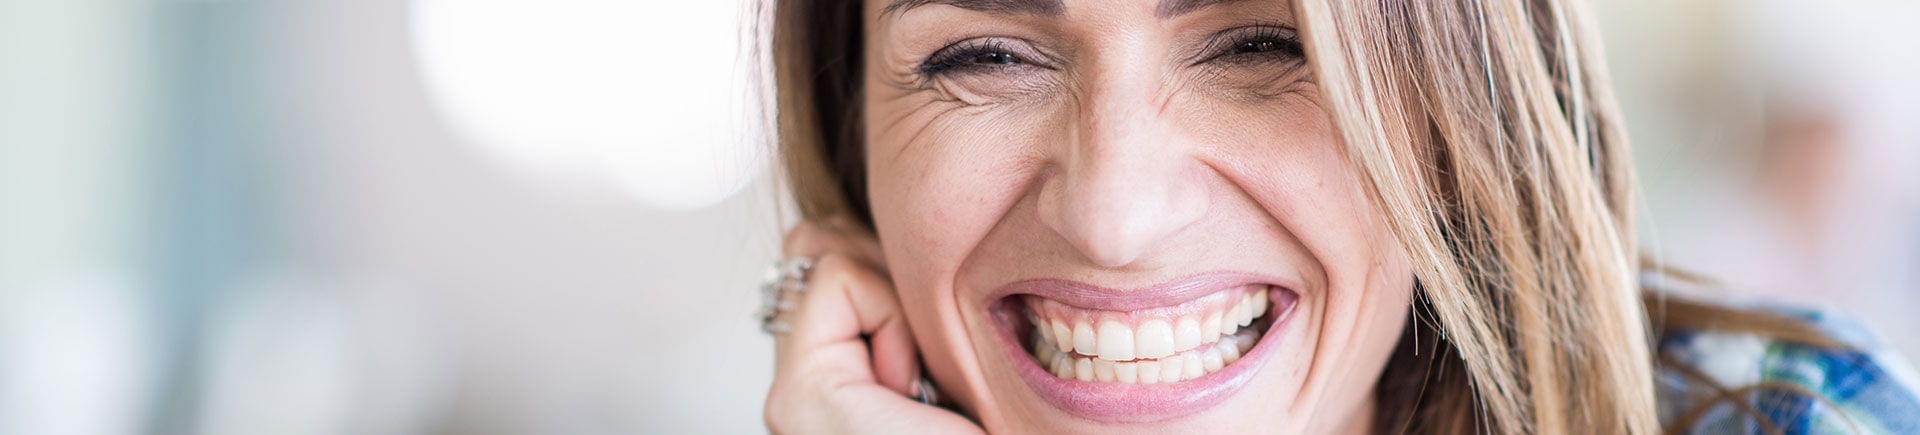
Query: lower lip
[1113,402]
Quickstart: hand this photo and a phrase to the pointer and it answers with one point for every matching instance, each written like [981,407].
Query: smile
[1170,344]
[1140,355]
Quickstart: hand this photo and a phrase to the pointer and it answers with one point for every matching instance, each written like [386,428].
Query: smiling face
[1128,214]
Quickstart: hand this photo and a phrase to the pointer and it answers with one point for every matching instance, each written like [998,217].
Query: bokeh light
[644,96]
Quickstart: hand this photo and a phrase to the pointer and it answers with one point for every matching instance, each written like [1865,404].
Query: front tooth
[1126,373]
[1186,334]
[1210,329]
[1149,372]
[1062,336]
[1171,369]
[1083,369]
[1229,321]
[1154,339]
[1210,358]
[1193,367]
[1103,370]
[1116,341]
[1083,339]
[1229,350]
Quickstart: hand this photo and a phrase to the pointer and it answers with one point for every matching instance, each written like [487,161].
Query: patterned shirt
[1864,388]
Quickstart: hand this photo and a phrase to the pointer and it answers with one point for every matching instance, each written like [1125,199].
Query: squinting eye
[995,59]
[977,55]
[1258,44]
[1250,47]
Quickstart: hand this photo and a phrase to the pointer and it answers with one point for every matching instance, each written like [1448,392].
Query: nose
[1126,181]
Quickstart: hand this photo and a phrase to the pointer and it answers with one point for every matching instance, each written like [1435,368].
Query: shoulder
[1717,381]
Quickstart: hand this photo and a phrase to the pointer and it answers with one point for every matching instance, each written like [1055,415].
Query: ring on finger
[780,290]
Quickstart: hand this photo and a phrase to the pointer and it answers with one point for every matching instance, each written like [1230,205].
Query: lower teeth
[1182,366]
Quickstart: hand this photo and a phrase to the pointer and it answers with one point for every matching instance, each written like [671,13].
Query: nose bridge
[1126,179]
[1116,109]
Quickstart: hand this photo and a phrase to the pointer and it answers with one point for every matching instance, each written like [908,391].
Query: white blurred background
[547,217]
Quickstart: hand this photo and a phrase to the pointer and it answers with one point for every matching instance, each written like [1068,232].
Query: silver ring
[927,395]
[785,276]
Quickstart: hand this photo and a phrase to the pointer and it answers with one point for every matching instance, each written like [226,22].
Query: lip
[1136,403]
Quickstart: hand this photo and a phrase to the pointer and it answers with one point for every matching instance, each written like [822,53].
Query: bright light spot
[647,95]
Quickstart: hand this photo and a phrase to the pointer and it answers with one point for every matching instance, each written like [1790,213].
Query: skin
[1121,149]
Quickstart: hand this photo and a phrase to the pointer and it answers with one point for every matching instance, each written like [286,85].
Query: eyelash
[1285,45]
[1229,46]
[958,58]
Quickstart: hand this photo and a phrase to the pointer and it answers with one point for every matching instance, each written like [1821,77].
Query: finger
[844,300]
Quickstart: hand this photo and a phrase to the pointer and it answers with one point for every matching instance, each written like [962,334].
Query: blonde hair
[1488,134]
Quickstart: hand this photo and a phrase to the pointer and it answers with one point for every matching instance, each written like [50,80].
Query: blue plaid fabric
[1866,388]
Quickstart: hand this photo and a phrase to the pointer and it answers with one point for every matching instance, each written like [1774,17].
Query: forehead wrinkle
[1174,8]
[1031,7]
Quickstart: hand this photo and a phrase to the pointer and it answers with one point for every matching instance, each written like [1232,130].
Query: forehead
[1161,8]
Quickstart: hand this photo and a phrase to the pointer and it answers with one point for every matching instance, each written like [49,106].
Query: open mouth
[1141,355]
[1169,344]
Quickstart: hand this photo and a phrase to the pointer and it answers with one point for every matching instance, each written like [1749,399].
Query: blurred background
[548,217]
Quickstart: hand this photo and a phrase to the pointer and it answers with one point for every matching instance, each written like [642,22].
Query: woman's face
[1082,202]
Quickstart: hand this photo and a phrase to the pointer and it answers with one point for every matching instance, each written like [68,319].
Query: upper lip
[1173,292]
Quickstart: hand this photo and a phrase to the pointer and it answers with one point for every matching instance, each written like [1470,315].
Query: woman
[1319,216]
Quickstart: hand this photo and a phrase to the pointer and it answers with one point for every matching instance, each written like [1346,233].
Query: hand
[827,378]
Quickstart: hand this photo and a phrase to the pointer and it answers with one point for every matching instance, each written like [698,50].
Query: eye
[977,56]
[1261,43]
[1251,47]
[994,58]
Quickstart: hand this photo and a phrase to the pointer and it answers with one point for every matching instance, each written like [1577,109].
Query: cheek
[940,177]
[1286,155]
[1288,158]
[941,173]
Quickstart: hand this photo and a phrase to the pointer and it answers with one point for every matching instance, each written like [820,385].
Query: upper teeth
[1137,348]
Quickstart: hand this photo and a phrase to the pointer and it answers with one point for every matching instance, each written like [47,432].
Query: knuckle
[787,410]
[835,262]
[774,411]
[833,267]
[779,411]
[802,236]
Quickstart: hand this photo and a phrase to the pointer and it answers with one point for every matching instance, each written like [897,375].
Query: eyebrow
[1166,9]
